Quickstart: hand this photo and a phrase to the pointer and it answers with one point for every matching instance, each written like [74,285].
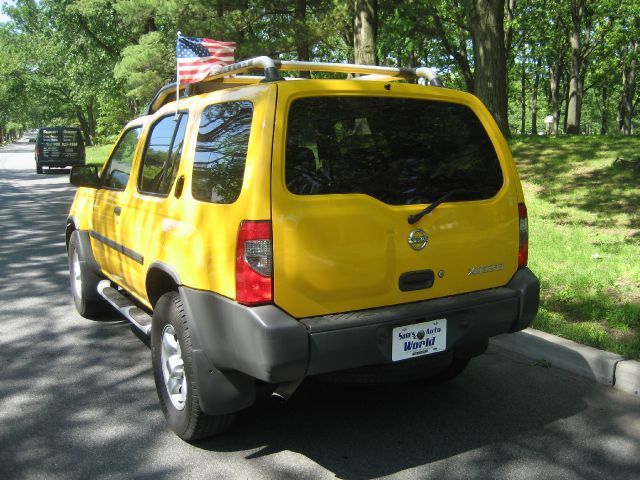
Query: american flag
[200,57]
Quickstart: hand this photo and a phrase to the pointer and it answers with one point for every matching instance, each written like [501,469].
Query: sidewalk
[603,367]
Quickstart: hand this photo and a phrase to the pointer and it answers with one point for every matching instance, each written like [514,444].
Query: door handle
[117,210]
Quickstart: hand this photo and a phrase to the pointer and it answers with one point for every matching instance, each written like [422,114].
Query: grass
[98,154]
[584,223]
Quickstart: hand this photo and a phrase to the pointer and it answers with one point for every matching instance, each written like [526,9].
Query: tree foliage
[96,63]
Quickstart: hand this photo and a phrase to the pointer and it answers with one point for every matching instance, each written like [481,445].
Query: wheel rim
[76,279]
[175,381]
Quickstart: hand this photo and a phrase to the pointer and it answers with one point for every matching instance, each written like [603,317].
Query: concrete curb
[603,367]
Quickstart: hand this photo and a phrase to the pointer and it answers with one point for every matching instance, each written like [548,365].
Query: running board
[138,317]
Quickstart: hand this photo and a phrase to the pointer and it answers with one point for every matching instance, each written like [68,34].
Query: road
[77,398]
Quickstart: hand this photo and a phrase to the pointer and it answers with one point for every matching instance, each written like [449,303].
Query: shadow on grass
[569,172]
[605,322]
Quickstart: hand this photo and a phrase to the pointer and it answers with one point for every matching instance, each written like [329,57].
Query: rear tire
[38,169]
[84,283]
[177,387]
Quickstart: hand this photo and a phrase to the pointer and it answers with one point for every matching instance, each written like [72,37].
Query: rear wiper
[415,217]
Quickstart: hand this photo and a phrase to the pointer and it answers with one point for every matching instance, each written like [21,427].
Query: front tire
[84,283]
[176,384]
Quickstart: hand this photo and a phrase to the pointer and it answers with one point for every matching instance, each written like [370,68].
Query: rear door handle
[117,210]
[417,280]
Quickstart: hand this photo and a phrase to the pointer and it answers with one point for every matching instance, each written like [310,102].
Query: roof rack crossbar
[271,67]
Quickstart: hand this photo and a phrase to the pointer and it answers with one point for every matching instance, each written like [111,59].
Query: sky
[3,17]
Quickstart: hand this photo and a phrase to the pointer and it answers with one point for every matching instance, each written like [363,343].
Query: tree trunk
[534,100]
[91,120]
[523,99]
[629,89]
[486,20]
[604,127]
[579,16]
[509,8]
[365,27]
[84,126]
[555,74]
[574,105]
[458,53]
[566,105]
[302,43]
[620,110]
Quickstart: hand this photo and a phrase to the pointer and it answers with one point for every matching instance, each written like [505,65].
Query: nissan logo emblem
[418,239]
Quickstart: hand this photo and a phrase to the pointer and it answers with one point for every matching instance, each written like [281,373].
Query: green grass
[584,223]
[98,154]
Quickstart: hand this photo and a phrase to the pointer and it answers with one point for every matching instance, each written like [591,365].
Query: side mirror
[85,176]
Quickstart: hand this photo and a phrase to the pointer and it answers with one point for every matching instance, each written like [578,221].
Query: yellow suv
[265,229]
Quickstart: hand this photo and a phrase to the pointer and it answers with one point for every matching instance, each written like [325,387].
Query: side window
[116,174]
[162,154]
[221,152]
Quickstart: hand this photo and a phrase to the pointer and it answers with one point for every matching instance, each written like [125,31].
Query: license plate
[419,339]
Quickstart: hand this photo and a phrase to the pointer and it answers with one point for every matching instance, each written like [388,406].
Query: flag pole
[177,73]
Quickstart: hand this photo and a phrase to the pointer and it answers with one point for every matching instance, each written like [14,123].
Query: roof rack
[271,67]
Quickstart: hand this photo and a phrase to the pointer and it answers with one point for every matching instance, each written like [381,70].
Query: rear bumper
[268,344]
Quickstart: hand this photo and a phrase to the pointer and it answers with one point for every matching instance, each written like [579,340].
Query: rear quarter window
[221,152]
[399,151]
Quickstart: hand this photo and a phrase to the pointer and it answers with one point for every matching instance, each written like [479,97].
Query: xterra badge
[486,269]
[418,239]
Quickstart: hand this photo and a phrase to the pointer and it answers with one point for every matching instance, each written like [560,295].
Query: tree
[365,28]
[581,47]
[625,42]
[95,63]
[486,21]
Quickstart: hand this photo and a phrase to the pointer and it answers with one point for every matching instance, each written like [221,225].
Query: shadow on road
[69,387]
[77,398]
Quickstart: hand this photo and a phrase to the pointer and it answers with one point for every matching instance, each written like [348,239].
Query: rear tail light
[523,248]
[254,263]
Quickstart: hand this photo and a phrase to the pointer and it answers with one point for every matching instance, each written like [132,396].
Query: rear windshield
[61,137]
[400,151]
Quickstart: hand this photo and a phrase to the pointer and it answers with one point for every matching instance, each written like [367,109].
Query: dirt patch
[619,336]
[628,290]
[529,187]
[627,232]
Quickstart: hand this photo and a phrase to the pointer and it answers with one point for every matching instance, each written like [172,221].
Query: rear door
[148,207]
[349,169]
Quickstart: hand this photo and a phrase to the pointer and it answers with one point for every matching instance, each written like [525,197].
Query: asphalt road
[77,398]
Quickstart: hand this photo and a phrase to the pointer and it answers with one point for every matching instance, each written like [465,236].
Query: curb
[603,367]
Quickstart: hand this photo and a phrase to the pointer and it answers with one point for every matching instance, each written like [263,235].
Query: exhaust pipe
[284,391]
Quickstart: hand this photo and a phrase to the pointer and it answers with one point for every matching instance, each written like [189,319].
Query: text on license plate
[419,339]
